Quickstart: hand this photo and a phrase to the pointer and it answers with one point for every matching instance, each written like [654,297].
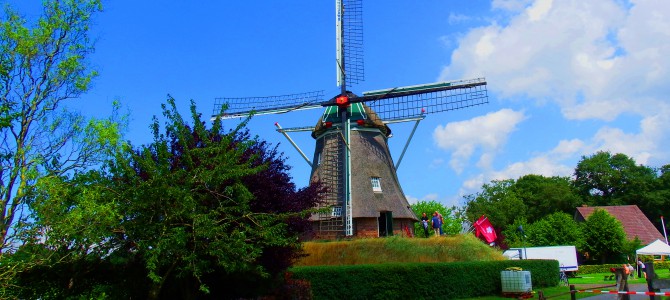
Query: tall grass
[397,250]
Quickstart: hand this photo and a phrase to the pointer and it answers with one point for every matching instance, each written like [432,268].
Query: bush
[591,269]
[420,280]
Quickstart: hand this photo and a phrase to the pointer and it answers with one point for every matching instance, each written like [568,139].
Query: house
[634,222]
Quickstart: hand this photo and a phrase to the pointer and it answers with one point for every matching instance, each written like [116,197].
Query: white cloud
[567,148]
[511,5]
[604,63]
[436,163]
[412,200]
[540,165]
[487,133]
[601,56]
[447,202]
[539,10]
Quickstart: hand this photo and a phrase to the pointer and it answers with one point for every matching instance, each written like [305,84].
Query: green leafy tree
[43,64]
[606,179]
[657,201]
[515,235]
[557,229]
[546,195]
[451,224]
[604,238]
[629,249]
[196,207]
[498,202]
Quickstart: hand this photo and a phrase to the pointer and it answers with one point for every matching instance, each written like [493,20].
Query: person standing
[439,215]
[424,223]
[641,269]
[436,223]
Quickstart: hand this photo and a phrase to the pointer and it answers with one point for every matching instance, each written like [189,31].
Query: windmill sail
[398,104]
[229,108]
[349,41]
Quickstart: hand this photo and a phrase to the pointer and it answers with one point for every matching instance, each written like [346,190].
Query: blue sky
[566,78]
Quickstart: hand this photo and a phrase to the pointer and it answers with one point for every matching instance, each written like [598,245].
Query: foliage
[606,179]
[193,208]
[604,237]
[656,202]
[601,268]
[428,280]
[629,248]
[545,195]
[41,66]
[498,202]
[451,224]
[557,229]
[515,235]
[397,249]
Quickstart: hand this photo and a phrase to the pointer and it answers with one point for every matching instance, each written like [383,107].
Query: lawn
[585,281]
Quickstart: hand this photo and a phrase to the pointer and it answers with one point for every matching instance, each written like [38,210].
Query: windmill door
[385,223]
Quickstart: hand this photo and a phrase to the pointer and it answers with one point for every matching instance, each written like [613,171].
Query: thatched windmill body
[351,157]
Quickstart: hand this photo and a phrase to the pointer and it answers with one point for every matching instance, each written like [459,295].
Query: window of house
[376,184]
[336,212]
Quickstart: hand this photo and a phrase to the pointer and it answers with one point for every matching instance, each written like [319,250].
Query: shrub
[420,280]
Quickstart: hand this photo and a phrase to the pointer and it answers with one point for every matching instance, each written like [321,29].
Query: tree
[42,66]
[606,179]
[196,207]
[514,235]
[546,195]
[451,225]
[604,238]
[498,202]
[657,201]
[557,229]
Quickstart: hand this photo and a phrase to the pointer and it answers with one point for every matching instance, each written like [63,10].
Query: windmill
[351,157]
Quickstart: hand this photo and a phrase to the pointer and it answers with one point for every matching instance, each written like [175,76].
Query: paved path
[631,287]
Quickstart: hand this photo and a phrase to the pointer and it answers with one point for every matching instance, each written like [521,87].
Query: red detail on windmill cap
[342,101]
[329,124]
[423,110]
[360,122]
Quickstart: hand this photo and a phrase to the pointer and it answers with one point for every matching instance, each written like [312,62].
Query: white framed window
[318,159]
[376,184]
[336,211]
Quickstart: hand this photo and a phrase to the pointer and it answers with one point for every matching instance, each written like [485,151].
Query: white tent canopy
[658,247]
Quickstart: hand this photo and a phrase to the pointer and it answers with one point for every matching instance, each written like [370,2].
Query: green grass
[397,250]
[579,282]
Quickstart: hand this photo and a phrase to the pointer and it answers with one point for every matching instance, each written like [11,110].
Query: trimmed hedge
[591,269]
[420,280]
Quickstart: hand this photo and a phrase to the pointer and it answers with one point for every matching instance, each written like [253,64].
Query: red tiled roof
[634,222]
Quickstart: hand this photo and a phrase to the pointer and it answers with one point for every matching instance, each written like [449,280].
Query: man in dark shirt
[424,223]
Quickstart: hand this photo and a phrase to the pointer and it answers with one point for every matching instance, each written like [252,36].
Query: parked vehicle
[566,255]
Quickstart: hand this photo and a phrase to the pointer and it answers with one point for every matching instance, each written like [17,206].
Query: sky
[565,78]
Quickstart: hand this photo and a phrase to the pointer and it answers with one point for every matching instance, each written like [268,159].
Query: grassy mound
[397,250]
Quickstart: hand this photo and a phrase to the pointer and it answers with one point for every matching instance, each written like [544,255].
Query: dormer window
[376,184]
